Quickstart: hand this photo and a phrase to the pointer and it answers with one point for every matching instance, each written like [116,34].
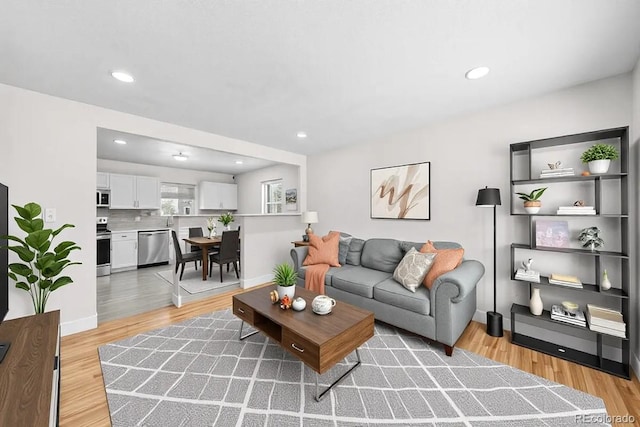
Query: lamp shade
[488,197]
[309,217]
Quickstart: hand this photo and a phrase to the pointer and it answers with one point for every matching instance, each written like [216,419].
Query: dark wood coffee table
[318,341]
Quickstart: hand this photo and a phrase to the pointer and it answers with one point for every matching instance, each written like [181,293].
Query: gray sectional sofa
[366,280]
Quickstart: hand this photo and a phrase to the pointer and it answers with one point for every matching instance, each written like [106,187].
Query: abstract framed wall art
[552,234]
[401,192]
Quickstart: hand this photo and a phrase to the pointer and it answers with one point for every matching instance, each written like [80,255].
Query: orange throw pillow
[445,261]
[323,250]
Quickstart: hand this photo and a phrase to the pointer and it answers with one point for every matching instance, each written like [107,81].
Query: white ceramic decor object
[298,304]
[599,166]
[322,304]
[535,304]
[606,283]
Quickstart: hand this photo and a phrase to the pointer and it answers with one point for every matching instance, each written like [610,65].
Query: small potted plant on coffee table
[285,277]
[598,157]
[532,201]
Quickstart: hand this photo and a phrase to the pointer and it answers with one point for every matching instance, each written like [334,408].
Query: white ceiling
[343,71]
[150,151]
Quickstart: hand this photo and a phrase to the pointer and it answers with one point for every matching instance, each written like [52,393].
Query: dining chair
[196,232]
[182,259]
[239,263]
[228,252]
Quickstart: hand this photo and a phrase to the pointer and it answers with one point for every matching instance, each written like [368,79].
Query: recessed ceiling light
[301,135]
[477,73]
[239,162]
[123,76]
[120,141]
[180,157]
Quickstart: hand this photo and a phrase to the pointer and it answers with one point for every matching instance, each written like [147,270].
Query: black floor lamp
[490,198]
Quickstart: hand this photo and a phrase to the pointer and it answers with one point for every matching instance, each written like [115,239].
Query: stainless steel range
[103,236]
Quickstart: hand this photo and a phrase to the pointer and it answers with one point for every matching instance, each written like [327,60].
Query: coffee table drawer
[243,311]
[308,352]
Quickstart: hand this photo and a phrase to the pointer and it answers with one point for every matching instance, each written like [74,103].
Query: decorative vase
[290,291]
[532,207]
[227,227]
[599,166]
[606,283]
[535,303]
[212,232]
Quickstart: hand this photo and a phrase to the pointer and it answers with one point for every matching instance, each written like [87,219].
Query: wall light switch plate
[50,215]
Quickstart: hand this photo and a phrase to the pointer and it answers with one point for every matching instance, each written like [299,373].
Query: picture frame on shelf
[552,234]
[401,192]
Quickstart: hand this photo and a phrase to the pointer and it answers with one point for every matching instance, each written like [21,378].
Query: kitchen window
[177,199]
[272,196]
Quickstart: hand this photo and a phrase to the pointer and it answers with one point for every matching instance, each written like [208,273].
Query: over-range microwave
[102,199]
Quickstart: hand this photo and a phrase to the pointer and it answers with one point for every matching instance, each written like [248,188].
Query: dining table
[204,243]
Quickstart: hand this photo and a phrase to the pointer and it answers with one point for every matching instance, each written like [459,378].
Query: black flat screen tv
[4,262]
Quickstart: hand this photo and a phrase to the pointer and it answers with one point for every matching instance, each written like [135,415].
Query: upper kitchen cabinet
[217,195]
[134,192]
[102,180]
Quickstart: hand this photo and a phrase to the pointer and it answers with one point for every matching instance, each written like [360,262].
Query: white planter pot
[532,209]
[286,290]
[599,166]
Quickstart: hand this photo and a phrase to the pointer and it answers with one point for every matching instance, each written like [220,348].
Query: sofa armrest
[460,281]
[298,255]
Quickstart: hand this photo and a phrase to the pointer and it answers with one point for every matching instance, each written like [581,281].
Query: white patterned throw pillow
[412,269]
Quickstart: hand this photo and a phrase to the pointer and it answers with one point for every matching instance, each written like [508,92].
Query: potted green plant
[285,278]
[598,157]
[40,267]
[226,219]
[532,201]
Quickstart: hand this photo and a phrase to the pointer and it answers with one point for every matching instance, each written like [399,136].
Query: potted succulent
[285,278]
[532,201]
[589,237]
[598,157]
[226,219]
[41,264]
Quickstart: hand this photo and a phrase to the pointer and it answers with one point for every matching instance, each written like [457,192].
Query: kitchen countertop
[135,230]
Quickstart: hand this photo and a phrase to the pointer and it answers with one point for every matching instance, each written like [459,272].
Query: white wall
[635,227]
[48,153]
[181,176]
[250,186]
[466,154]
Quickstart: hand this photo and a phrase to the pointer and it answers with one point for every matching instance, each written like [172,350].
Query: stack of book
[528,275]
[565,280]
[576,210]
[554,173]
[606,321]
[561,315]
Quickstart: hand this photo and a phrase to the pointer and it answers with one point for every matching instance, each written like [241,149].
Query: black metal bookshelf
[617,296]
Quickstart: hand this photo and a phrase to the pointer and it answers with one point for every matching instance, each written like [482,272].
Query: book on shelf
[527,276]
[564,280]
[561,315]
[605,318]
[608,331]
[549,173]
[576,210]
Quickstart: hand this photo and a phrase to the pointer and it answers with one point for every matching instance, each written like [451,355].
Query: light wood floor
[83,400]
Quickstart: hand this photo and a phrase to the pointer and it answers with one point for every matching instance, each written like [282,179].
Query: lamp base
[494,324]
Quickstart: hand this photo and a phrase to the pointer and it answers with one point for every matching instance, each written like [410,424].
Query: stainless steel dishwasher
[153,247]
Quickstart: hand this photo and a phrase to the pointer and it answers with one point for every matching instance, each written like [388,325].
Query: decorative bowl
[570,307]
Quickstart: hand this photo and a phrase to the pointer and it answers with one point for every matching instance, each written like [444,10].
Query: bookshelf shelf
[522,166]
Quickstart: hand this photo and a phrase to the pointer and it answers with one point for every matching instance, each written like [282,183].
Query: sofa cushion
[445,261]
[382,254]
[358,280]
[412,269]
[355,251]
[323,250]
[327,277]
[343,247]
[392,293]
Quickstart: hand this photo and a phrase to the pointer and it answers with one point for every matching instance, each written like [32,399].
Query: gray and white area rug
[197,373]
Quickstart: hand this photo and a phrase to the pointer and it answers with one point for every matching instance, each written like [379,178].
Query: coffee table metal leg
[249,334]
[320,396]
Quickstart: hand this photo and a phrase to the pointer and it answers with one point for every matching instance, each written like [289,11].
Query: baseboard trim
[79,325]
[177,300]
[255,281]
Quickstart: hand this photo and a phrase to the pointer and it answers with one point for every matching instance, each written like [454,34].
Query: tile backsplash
[125,219]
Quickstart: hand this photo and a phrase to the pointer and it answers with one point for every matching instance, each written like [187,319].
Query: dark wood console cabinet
[30,371]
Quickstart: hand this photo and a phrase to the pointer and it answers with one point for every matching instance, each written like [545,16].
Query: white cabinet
[217,195]
[102,181]
[124,250]
[134,192]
